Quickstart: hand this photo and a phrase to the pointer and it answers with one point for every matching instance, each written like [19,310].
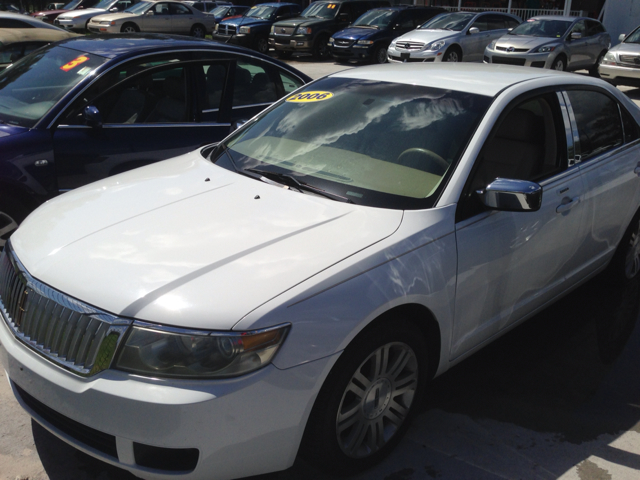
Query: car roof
[477,78]
[561,17]
[117,45]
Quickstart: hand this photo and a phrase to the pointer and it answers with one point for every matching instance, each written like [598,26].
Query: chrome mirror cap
[512,195]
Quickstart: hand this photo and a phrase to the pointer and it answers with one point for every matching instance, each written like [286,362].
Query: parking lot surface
[556,398]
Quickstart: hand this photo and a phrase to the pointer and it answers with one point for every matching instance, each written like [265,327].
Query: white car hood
[85,12]
[187,243]
[425,36]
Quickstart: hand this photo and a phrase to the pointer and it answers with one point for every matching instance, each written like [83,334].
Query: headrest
[243,76]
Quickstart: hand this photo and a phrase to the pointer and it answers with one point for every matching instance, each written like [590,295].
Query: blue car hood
[6,130]
[245,21]
[356,33]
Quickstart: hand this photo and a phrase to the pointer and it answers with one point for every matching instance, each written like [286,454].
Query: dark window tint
[177,9]
[16,51]
[598,120]
[253,85]
[631,130]
[214,75]
[405,20]
[495,22]
[512,22]
[481,24]
[13,23]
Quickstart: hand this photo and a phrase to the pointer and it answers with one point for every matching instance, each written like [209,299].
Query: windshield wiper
[292,182]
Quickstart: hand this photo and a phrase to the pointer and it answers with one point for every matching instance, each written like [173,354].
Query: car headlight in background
[609,59]
[492,45]
[244,30]
[435,46]
[273,29]
[215,29]
[365,42]
[303,30]
[163,352]
[546,49]
[332,40]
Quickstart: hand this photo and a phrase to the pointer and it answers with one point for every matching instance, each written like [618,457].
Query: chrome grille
[339,42]
[633,60]
[512,49]
[409,45]
[228,29]
[284,30]
[68,332]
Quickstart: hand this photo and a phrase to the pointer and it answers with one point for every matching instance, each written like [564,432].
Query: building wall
[621,16]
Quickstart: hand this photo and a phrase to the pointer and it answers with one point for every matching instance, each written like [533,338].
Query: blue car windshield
[219,11]
[376,18]
[30,87]
[260,12]
[449,21]
[542,28]
[380,144]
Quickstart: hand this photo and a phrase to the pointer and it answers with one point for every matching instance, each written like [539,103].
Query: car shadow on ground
[536,403]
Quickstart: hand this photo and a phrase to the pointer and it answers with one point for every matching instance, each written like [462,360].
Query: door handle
[567,204]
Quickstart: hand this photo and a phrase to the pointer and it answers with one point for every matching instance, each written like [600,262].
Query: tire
[362,411]
[320,48]
[262,44]
[129,28]
[198,31]
[559,64]
[11,216]
[86,26]
[380,55]
[284,54]
[593,71]
[625,264]
[453,54]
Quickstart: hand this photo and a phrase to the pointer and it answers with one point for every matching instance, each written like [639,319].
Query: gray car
[620,65]
[556,42]
[451,37]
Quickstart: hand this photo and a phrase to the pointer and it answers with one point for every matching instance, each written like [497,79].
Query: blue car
[368,38]
[252,29]
[227,11]
[89,107]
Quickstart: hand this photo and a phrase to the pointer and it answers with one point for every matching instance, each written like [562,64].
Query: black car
[90,107]
[369,36]
[310,32]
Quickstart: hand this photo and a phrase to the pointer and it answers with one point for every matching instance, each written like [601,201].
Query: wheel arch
[20,194]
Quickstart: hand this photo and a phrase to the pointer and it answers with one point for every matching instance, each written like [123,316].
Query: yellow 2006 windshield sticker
[310,97]
[74,63]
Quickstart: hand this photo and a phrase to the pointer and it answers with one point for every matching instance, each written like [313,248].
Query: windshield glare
[139,7]
[71,5]
[449,21]
[375,143]
[376,18]
[633,37]
[34,84]
[219,11]
[260,12]
[321,10]
[542,28]
[104,4]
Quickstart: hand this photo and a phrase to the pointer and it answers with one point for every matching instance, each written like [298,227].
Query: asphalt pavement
[556,398]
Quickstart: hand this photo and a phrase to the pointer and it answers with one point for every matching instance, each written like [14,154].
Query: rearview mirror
[92,116]
[512,195]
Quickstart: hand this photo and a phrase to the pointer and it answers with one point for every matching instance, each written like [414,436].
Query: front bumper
[223,429]
[242,39]
[298,43]
[70,24]
[536,60]
[354,52]
[97,28]
[620,75]
[395,55]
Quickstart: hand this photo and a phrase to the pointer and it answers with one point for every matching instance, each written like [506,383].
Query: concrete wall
[621,16]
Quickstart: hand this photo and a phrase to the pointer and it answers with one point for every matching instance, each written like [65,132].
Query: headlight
[215,29]
[546,49]
[304,31]
[245,30]
[492,45]
[150,351]
[365,42]
[273,29]
[435,46]
[609,59]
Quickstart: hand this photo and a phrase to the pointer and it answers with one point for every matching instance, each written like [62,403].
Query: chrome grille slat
[58,327]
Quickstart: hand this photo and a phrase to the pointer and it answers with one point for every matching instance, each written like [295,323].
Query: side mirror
[92,116]
[576,35]
[509,29]
[622,37]
[474,30]
[512,195]
[114,9]
[150,12]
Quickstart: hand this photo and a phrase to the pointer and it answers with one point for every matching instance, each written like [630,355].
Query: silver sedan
[556,42]
[620,65]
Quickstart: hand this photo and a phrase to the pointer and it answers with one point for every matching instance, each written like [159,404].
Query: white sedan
[156,17]
[295,287]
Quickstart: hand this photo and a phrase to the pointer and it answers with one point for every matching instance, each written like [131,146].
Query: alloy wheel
[377,400]
[452,56]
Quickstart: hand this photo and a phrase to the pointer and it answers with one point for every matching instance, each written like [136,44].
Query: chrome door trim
[574,128]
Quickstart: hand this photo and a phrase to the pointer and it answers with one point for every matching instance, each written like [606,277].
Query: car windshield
[260,12]
[139,8]
[449,21]
[104,4]
[376,18]
[542,28]
[34,84]
[219,11]
[634,37]
[321,10]
[71,5]
[373,143]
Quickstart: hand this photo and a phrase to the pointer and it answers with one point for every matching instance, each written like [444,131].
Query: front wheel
[320,48]
[262,44]
[559,64]
[368,399]
[625,264]
[129,28]
[198,31]
[380,55]
[453,54]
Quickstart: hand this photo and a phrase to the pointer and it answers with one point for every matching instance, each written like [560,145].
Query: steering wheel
[423,159]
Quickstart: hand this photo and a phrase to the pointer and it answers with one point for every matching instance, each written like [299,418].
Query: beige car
[20,35]
[157,17]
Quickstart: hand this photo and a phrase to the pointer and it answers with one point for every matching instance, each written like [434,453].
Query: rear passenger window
[631,130]
[598,121]
[252,85]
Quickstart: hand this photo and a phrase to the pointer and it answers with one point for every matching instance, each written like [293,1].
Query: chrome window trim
[567,128]
[253,105]
[112,126]
[142,55]
[574,128]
